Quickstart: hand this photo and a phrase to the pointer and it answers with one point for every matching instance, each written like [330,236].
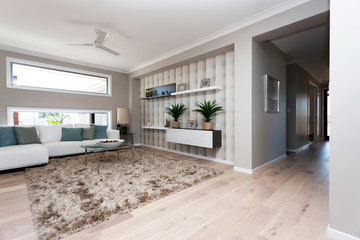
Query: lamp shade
[123,115]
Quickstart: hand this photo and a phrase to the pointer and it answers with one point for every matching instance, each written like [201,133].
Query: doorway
[326,115]
[312,113]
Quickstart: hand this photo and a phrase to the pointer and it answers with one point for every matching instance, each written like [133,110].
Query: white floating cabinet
[199,138]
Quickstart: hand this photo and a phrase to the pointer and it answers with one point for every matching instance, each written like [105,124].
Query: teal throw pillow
[7,136]
[100,131]
[88,133]
[26,135]
[71,134]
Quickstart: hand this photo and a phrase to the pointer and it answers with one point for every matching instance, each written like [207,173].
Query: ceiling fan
[99,41]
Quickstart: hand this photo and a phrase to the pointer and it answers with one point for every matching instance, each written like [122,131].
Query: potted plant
[208,109]
[175,111]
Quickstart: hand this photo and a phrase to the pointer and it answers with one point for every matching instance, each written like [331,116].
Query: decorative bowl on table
[110,143]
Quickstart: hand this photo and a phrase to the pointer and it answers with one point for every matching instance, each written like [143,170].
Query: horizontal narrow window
[32,116]
[51,78]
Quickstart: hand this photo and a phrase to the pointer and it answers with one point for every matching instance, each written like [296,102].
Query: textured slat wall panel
[220,76]
[220,70]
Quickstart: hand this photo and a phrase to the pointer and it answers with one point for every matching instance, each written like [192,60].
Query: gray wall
[242,41]
[268,129]
[10,97]
[345,115]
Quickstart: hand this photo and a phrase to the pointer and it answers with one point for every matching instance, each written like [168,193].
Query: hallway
[287,200]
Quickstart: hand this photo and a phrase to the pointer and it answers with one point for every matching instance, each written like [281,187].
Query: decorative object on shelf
[208,109]
[272,94]
[205,83]
[159,91]
[191,124]
[167,123]
[123,118]
[175,111]
[181,87]
[148,124]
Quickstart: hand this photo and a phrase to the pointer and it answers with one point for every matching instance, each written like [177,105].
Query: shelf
[159,90]
[154,127]
[160,96]
[196,90]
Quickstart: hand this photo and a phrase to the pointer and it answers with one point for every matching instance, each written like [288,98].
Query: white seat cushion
[18,156]
[64,148]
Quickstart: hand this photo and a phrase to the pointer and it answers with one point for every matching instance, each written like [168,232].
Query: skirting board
[192,155]
[299,149]
[338,235]
[251,171]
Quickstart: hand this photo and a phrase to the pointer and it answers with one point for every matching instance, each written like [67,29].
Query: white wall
[268,129]
[220,70]
[345,116]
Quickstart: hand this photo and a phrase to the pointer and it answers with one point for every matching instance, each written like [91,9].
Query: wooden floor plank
[286,200]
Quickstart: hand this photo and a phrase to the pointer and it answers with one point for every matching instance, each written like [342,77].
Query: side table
[129,139]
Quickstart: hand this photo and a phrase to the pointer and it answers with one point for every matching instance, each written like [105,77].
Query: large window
[32,116]
[31,75]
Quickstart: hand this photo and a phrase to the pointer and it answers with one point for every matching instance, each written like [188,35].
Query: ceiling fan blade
[108,50]
[80,44]
[101,36]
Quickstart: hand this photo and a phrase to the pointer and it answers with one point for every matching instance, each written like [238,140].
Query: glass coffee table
[95,148]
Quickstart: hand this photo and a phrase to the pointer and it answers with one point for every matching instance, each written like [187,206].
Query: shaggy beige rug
[66,196]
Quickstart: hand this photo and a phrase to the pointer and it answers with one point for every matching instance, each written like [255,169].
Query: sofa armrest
[113,133]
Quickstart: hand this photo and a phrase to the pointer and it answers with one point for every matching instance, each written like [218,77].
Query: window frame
[10,113]
[9,83]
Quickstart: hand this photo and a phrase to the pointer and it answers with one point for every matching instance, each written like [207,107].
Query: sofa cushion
[57,149]
[50,133]
[81,125]
[100,131]
[7,136]
[71,134]
[88,133]
[26,135]
[18,156]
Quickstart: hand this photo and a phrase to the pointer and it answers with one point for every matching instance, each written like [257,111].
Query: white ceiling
[141,30]
[310,49]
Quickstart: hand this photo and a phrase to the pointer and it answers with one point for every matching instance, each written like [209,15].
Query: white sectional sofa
[51,145]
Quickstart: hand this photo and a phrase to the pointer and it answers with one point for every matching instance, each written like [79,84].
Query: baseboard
[270,162]
[251,171]
[338,235]
[299,149]
[243,170]
[192,155]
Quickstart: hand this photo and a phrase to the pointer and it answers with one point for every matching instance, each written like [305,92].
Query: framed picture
[205,83]
[272,94]
[181,87]
[191,124]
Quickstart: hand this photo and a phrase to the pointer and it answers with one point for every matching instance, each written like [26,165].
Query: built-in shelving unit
[205,89]
[154,127]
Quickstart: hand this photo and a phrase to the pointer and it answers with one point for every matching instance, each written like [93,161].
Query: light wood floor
[287,200]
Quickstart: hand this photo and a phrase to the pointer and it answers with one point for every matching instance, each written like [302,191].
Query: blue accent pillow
[100,131]
[26,135]
[71,134]
[7,136]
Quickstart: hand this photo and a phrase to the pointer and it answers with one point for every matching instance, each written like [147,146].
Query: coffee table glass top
[98,148]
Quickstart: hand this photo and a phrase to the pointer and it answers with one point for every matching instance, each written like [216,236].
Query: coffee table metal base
[101,151]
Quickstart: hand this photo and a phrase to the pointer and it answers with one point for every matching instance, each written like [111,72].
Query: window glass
[23,75]
[52,117]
